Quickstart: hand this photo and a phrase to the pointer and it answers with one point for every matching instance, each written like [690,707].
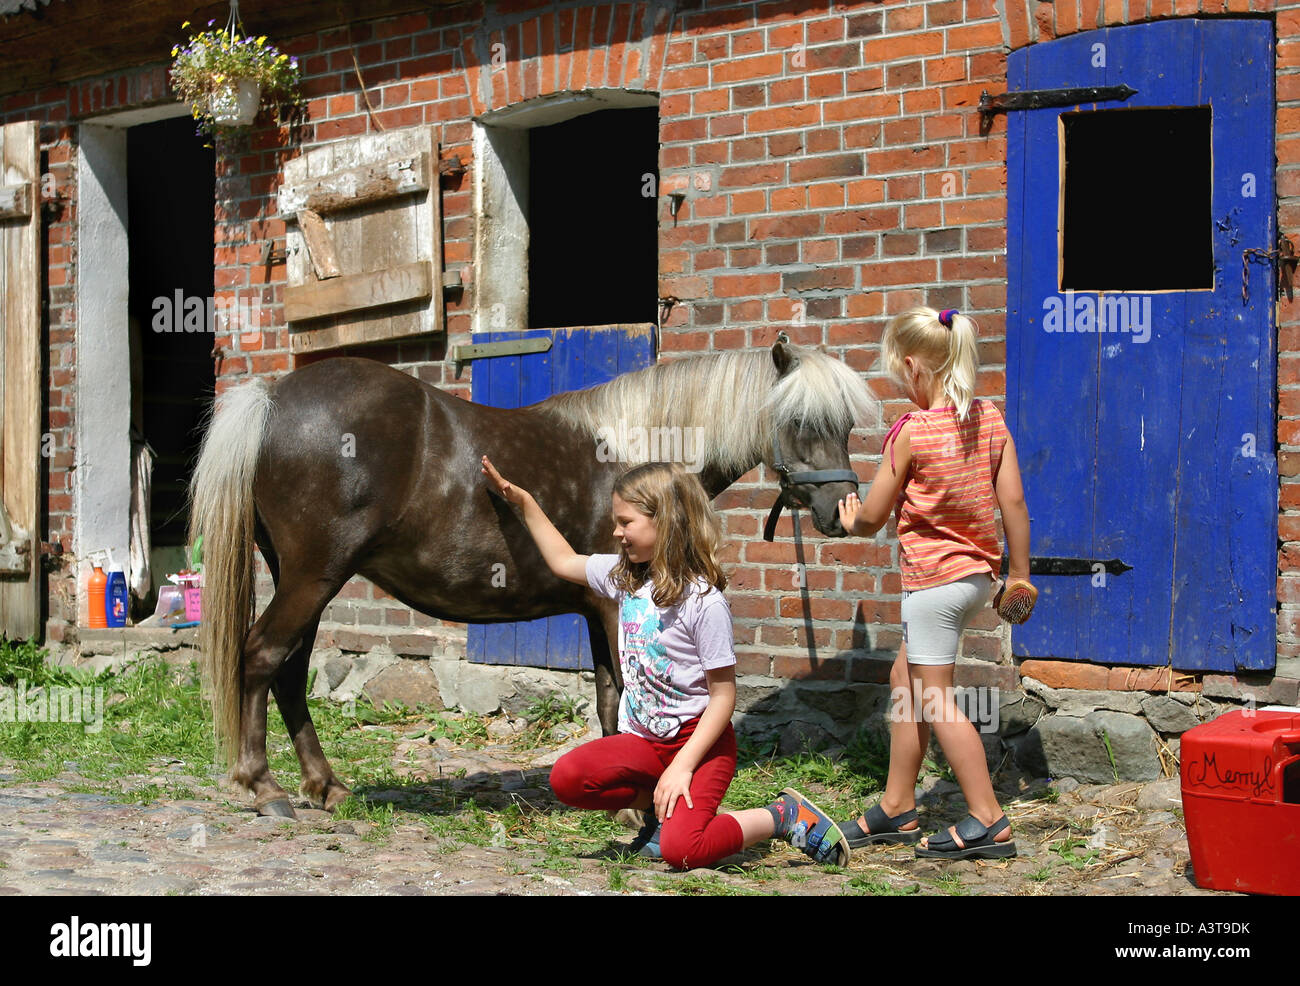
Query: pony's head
[815,404]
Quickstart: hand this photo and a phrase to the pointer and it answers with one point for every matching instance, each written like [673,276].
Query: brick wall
[833,173]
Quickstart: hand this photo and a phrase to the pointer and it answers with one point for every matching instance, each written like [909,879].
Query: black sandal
[883,828]
[978,839]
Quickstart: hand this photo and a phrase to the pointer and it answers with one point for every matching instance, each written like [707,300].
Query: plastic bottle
[97,614]
[115,598]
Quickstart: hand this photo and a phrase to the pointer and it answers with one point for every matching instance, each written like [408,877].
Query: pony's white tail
[221,512]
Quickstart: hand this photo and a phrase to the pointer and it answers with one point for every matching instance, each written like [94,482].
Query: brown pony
[348,466]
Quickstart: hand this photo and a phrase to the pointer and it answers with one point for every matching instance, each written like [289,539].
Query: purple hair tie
[945,317]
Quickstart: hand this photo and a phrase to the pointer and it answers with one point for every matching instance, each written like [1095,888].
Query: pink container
[193,597]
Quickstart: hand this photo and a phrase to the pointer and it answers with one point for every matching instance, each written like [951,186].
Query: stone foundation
[1095,724]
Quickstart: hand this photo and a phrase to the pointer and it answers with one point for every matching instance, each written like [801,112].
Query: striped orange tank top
[945,510]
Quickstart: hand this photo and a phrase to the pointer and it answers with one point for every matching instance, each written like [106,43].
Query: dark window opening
[593,254]
[1137,201]
[170,199]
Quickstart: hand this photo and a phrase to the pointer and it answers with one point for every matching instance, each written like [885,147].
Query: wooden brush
[1015,601]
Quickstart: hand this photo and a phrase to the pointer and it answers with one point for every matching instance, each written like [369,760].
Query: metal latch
[485,350]
[1037,99]
[1287,260]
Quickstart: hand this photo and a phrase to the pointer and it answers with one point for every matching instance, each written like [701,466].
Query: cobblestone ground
[1126,839]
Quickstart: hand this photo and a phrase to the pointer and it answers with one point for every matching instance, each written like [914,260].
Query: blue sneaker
[646,842]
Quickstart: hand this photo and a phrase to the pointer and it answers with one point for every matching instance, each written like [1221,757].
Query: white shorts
[934,618]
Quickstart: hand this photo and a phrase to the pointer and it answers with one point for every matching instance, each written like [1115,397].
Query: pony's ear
[783,355]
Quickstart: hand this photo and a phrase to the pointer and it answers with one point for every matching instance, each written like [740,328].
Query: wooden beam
[353,292]
[320,246]
[357,186]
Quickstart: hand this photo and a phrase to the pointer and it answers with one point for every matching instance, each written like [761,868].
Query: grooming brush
[1015,601]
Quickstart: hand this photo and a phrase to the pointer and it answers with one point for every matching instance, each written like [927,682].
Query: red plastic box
[1241,801]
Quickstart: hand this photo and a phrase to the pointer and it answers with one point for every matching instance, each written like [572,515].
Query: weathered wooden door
[1140,380]
[20,357]
[578,358]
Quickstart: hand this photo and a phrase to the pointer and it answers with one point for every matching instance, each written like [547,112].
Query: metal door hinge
[485,350]
[1046,565]
[1037,99]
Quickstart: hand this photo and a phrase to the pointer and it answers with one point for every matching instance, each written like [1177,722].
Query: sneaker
[812,830]
[646,842]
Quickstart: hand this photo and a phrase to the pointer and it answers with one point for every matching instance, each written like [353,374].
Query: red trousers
[609,773]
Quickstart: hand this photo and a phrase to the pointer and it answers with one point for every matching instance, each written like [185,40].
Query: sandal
[813,831]
[882,827]
[978,841]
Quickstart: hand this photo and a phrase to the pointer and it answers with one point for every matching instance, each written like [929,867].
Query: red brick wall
[843,177]
[834,171]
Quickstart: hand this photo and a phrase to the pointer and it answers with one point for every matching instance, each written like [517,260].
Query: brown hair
[687,533]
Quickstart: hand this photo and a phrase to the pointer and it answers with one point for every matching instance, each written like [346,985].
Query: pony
[348,466]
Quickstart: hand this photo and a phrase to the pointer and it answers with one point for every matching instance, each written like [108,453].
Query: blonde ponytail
[958,372]
[947,349]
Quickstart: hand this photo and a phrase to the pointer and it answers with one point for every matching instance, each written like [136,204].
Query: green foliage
[546,714]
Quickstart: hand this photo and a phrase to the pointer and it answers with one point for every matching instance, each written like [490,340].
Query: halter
[788,479]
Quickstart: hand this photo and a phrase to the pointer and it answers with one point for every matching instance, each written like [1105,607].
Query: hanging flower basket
[235,104]
[227,76]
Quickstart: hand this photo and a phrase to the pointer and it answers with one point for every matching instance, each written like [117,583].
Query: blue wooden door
[1155,450]
[578,358]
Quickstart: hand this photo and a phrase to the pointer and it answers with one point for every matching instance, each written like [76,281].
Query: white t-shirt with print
[664,653]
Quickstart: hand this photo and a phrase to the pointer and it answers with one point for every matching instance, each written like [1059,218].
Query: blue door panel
[1159,452]
[578,358]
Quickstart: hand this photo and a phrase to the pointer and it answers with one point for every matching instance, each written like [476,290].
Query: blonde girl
[943,469]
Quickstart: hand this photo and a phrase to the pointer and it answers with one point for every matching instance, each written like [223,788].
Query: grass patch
[837,785]
[863,886]
[544,716]
[702,885]
[1067,850]
[143,719]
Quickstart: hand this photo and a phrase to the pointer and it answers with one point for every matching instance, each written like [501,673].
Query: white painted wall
[101,488]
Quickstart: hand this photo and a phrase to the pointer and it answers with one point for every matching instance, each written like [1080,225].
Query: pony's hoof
[335,796]
[279,808]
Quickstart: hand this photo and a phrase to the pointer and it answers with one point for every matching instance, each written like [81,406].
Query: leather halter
[788,479]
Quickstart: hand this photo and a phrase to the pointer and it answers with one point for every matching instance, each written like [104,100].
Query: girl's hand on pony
[507,490]
[848,508]
[674,783]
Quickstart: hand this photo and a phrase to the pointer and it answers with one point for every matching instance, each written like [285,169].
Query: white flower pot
[235,104]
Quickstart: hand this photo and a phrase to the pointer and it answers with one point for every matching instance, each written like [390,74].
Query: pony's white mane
[734,400]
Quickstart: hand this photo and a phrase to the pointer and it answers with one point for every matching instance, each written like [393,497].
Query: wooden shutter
[20,357]
[364,241]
